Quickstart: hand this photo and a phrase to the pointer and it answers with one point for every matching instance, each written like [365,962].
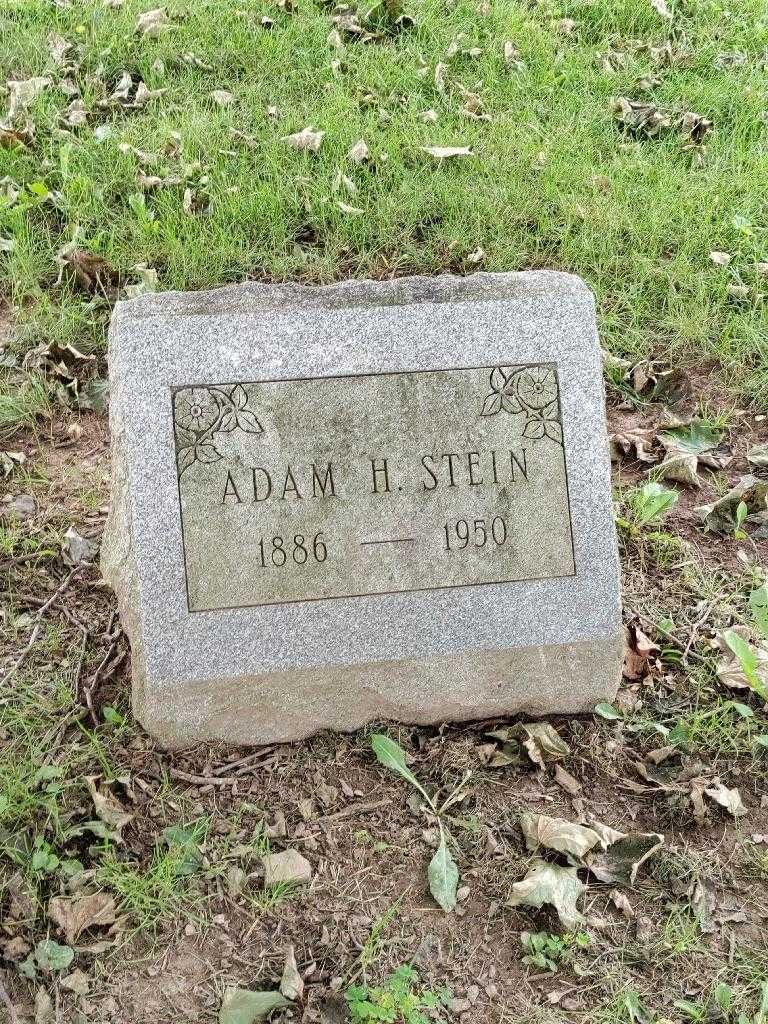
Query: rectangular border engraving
[378,593]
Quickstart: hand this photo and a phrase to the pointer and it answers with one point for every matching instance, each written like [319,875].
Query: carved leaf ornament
[531,391]
[199,413]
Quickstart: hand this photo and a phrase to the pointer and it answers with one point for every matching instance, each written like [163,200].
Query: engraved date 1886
[299,550]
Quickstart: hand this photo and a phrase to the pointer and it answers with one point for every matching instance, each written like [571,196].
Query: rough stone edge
[504,682]
[117,562]
[252,296]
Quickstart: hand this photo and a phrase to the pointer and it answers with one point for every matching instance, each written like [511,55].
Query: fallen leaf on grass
[720,516]
[242,1006]
[443,876]
[21,94]
[745,666]
[540,740]
[688,446]
[640,117]
[307,140]
[153,23]
[77,982]
[621,903]
[10,460]
[566,781]
[720,259]
[447,152]
[359,153]
[130,95]
[93,273]
[78,549]
[108,808]
[222,98]
[637,650]
[557,834]
[553,884]
[74,916]
[291,983]
[147,282]
[730,799]
[543,742]
[346,208]
[75,115]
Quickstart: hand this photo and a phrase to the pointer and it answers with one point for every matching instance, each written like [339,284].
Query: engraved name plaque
[381,483]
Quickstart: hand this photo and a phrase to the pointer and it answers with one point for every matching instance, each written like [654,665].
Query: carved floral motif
[531,391]
[200,413]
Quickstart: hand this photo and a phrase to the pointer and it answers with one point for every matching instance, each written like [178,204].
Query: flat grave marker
[373,499]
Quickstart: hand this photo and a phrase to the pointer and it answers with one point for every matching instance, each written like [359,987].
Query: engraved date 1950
[477,533]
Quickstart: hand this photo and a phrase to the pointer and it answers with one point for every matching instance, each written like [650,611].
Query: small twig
[202,780]
[354,809]
[8,563]
[84,633]
[88,690]
[36,629]
[244,761]
[5,998]
[699,623]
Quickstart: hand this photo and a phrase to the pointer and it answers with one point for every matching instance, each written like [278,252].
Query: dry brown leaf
[346,208]
[108,808]
[640,117]
[550,883]
[153,23]
[21,94]
[93,273]
[447,152]
[730,799]
[307,140]
[620,861]
[291,983]
[222,98]
[621,903]
[358,154]
[566,781]
[632,443]
[74,916]
[721,259]
[557,834]
[75,115]
[286,866]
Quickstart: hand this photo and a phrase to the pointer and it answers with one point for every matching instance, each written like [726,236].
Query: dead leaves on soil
[74,916]
[552,884]
[541,742]
[242,1006]
[612,856]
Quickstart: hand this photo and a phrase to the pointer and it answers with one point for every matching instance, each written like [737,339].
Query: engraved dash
[389,540]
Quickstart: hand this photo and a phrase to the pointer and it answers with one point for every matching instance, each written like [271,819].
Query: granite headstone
[367,500]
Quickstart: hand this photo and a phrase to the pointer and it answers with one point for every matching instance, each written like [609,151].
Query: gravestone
[368,500]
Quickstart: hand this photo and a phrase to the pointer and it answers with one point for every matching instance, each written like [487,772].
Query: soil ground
[695,918]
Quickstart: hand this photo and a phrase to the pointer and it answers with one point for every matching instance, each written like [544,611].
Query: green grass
[555,180]
[162,889]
